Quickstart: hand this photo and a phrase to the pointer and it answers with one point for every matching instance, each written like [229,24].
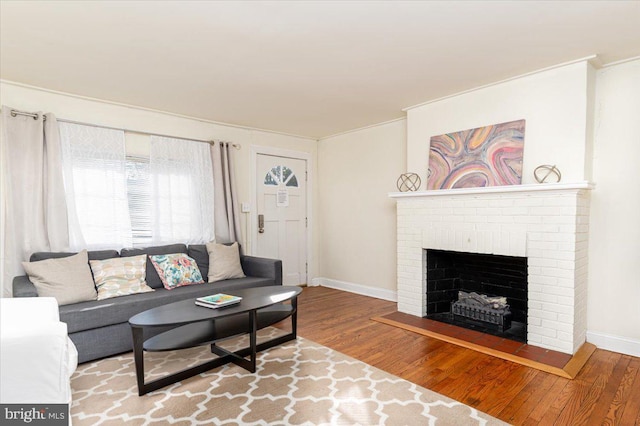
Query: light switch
[245,207]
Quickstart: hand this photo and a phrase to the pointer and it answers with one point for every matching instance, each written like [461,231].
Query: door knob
[261,223]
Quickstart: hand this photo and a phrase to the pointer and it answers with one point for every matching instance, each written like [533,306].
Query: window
[139,197]
[281,175]
[117,201]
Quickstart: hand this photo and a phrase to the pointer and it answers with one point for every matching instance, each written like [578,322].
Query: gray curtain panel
[227,217]
[33,191]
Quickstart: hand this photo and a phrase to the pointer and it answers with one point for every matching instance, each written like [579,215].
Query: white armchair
[37,357]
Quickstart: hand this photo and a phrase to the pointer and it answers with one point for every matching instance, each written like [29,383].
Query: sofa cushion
[101,313]
[120,276]
[93,255]
[68,279]
[224,262]
[198,252]
[153,280]
[176,270]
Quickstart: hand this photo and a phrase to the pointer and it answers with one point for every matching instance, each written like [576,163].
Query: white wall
[553,102]
[357,219]
[139,119]
[614,249]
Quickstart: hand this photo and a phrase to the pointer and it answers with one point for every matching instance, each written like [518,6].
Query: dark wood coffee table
[191,325]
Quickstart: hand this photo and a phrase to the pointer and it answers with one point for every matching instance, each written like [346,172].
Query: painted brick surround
[547,223]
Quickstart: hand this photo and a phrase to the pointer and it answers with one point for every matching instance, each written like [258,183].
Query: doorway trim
[253,215]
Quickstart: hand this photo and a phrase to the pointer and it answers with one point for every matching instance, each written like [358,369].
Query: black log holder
[498,319]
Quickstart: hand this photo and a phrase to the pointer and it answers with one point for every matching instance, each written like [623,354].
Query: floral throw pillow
[176,270]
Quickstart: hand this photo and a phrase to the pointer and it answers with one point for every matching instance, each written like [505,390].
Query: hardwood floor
[605,392]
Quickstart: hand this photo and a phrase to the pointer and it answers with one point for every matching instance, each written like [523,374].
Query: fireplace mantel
[496,189]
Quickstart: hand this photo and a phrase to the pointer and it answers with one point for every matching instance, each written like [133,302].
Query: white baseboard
[378,293]
[612,343]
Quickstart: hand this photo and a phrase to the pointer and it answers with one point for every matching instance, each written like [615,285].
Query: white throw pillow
[68,279]
[224,262]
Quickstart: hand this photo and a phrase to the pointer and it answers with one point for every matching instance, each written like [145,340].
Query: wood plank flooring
[605,392]
[561,364]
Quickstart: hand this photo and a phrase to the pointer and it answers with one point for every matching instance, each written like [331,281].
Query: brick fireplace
[548,224]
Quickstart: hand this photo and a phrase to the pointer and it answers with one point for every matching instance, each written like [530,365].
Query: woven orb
[547,173]
[408,182]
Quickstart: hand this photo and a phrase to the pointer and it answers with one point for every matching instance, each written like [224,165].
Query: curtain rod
[36,116]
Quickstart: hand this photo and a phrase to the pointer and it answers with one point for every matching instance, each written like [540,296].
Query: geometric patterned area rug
[297,383]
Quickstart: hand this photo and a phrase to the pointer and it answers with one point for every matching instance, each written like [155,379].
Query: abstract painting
[486,156]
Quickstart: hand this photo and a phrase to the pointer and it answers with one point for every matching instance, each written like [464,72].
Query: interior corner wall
[119,116]
[357,225]
[553,102]
[614,246]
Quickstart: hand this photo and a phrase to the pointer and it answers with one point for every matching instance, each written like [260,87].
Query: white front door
[282,214]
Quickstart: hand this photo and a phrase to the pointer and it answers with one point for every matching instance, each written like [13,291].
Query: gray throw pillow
[68,279]
[224,262]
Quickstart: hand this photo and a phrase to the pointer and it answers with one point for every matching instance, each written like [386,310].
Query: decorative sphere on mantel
[408,182]
[547,174]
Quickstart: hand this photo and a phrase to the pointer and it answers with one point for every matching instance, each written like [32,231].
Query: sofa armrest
[22,287]
[262,267]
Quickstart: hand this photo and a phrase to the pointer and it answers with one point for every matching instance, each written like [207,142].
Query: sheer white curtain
[96,187]
[33,214]
[181,191]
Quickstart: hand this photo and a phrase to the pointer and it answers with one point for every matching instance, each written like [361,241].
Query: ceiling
[306,68]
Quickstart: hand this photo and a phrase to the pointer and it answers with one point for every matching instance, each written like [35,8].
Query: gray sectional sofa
[100,328]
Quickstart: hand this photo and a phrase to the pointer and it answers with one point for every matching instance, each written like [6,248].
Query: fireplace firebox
[451,273]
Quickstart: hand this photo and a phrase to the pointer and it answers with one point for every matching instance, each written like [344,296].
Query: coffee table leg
[138,357]
[253,323]
[294,318]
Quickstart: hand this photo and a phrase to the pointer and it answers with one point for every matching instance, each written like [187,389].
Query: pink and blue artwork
[486,156]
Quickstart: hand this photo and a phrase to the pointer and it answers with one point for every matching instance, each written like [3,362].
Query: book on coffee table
[217,300]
